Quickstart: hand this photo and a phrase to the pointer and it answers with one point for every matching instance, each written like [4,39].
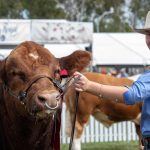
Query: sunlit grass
[133,145]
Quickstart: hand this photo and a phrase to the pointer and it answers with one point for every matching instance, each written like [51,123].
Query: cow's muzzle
[49,100]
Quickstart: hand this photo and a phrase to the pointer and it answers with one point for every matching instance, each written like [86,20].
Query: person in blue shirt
[139,91]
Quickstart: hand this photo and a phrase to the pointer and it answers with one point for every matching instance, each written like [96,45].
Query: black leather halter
[23,94]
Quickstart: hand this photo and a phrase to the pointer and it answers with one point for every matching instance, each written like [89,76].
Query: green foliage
[80,10]
[139,10]
[36,9]
[10,9]
[43,9]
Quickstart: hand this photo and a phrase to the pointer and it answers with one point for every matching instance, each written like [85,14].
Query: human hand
[81,82]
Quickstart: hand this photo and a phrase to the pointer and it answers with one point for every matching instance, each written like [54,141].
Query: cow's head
[27,75]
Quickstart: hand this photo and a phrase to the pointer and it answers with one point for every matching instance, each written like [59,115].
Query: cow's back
[107,79]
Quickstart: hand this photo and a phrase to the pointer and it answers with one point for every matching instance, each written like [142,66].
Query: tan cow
[105,111]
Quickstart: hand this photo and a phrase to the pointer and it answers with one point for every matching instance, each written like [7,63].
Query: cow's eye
[20,75]
[13,73]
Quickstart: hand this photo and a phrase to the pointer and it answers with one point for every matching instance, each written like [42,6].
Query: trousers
[146,143]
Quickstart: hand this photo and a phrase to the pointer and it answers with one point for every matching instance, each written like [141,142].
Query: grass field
[107,146]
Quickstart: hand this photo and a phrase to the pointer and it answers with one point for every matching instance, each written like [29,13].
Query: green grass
[107,146]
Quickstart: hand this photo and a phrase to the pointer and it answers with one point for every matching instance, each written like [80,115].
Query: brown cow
[105,111]
[30,102]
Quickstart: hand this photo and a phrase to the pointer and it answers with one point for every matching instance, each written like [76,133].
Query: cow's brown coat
[29,126]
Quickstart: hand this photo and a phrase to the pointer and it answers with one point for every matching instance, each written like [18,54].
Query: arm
[105,91]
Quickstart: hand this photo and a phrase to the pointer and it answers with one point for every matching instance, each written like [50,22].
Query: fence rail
[96,132]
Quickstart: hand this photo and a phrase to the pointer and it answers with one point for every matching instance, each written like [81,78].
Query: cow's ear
[77,61]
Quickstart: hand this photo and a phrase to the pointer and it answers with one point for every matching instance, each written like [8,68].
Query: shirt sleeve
[137,92]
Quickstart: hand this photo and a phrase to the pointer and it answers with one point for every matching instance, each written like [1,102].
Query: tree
[127,13]
[43,9]
[89,10]
[138,11]
[10,9]
[34,9]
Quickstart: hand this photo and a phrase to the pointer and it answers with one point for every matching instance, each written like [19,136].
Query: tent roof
[61,50]
[120,49]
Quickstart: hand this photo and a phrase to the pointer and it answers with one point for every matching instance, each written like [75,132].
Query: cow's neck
[21,128]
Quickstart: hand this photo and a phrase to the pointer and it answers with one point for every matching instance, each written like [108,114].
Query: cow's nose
[48,99]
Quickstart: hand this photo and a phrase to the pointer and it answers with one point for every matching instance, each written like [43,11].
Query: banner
[45,31]
[14,31]
[61,32]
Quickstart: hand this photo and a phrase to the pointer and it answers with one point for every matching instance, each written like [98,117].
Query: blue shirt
[140,91]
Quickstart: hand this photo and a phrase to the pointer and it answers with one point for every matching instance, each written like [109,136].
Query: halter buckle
[22,95]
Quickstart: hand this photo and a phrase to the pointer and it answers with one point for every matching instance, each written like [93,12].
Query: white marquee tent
[61,50]
[120,49]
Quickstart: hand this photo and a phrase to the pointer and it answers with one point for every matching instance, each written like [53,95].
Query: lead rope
[76,107]
[54,119]
[75,115]
[74,120]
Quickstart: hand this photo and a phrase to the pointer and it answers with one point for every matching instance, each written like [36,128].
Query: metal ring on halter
[51,108]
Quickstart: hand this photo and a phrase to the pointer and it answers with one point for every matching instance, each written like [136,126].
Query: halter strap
[23,94]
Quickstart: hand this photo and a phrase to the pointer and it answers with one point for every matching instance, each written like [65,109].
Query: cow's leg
[77,136]
[79,127]
[76,144]
[81,122]
[68,123]
[138,132]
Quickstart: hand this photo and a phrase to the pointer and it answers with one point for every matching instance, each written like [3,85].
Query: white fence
[96,132]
